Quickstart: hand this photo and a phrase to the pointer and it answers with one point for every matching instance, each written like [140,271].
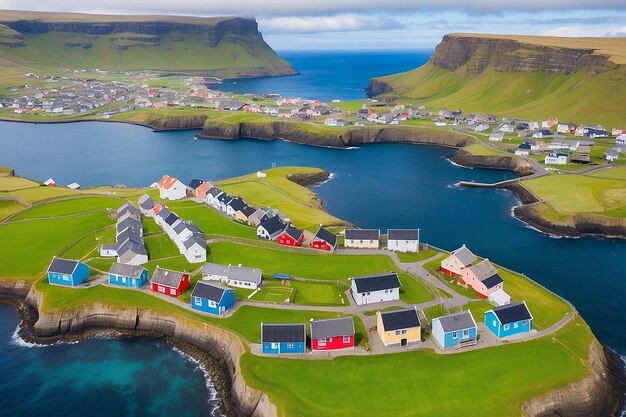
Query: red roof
[167,182]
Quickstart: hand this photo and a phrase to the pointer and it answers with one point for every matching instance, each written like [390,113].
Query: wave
[455,164]
[330,177]
[352,147]
[214,401]
[17,340]
[456,185]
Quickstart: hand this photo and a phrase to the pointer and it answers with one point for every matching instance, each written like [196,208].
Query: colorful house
[270,228]
[168,282]
[211,298]
[67,272]
[362,238]
[283,338]
[455,330]
[509,320]
[199,188]
[290,236]
[483,278]
[403,240]
[131,276]
[459,258]
[324,240]
[171,188]
[375,288]
[332,334]
[399,327]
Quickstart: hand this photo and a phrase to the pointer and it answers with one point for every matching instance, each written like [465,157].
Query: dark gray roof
[511,313]
[225,198]
[133,271]
[237,203]
[215,191]
[180,227]
[164,213]
[128,207]
[62,266]
[377,282]
[400,319]
[483,270]
[193,239]
[403,234]
[130,246]
[285,333]
[273,225]
[146,202]
[171,219]
[195,183]
[248,211]
[492,281]
[167,278]
[457,321]
[363,234]
[327,236]
[129,222]
[242,273]
[129,235]
[208,291]
[293,232]
[215,269]
[110,246]
[324,329]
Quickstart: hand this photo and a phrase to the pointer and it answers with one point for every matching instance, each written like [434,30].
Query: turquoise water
[99,377]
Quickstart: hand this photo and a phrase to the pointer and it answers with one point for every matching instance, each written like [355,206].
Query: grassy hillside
[227,46]
[503,82]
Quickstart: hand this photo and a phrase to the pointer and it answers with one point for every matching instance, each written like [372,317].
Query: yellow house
[399,327]
[243,214]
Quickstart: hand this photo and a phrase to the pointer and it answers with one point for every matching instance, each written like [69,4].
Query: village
[448,328]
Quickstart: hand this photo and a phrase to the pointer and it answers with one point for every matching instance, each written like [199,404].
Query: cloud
[269,8]
[337,23]
[584,31]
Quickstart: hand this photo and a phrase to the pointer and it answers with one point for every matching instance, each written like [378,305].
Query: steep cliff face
[519,76]
[227,46]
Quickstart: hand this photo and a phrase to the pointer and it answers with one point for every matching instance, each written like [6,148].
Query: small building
[332,334]
[362,238]
[73,186]
[455,330]
[459,258]
[611,155]
[232,105]
[483,278]
[212,197]
[171,188]
[258,217]
[222,202]
[290,236]
[212,299]
[199,188]
[620,140]
[324,240]
[509,320]
[67,272]
[243,214]
[128,210]
[195,248]
[234,205]
[270,228]
[235,276]
[496,137]
[399,327]
[283,338]
[146,205]
[50,183]
[555,159]
[131,276]
[403,240]
[375,288]
[169,282]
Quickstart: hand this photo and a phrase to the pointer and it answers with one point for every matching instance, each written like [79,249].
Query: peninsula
[549,365]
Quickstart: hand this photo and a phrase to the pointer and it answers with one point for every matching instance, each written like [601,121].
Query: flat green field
[8,208]
[296,202]
[15,183]
[421,382]
[575,193]
[70,207]
[416,257]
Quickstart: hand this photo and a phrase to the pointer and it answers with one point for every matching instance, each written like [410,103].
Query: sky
[375,24]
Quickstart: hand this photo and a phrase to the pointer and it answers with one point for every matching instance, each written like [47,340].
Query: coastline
[342,138]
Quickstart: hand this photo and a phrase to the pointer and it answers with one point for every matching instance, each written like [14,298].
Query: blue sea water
[372,186]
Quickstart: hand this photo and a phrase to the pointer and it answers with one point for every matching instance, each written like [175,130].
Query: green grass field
[416,257]
[421,382]
[70,207]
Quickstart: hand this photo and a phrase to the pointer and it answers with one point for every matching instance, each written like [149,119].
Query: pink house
[459,259]
[483,278]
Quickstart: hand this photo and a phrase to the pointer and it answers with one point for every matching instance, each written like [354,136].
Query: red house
[290,236]
[332,334]
[324,240]
[168,282]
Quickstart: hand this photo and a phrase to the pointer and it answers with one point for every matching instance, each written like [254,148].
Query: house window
[493,323]
[515,325]
[361,240]
[367,293]
[525,323]
[346,339]
[465,333]
[66,277]
[454,335]
[289,345]
[401,332]
[211,303]
[172,291]
[161,289]
[123,280]
[330,339]
[197,301]
[274,345]
[321,342]
[507,326]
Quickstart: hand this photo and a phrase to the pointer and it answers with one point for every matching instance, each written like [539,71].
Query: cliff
[519,76]
[218,46]
[506,162]
[332,137]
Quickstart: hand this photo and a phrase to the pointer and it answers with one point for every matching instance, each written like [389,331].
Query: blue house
[211,298]
[455,330]
[509,320]
[67,272]
[283,338]
[131,276]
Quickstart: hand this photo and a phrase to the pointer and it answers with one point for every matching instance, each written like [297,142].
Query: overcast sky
[376,24]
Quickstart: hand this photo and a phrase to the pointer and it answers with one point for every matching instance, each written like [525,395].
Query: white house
[555,159]
[50,182]
[195,248]
[459,258]
[506,128]
[403,240]
[335,122]
[260,174]
[73,186]
[375,288]
[611,155]
[620,140]
[211,197]
[481,127]
[362,238]
[270,228]
[236,276]
[146,205]
[171,188]
[496,137]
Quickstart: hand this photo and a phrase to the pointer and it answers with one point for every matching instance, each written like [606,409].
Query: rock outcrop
[506,162]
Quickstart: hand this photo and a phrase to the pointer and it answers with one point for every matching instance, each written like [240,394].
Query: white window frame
[465,333]
[346,339]
[172,291]
[197,301]
[289,345]
[274,345]
[506,327]
[321,341]
[455,335]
